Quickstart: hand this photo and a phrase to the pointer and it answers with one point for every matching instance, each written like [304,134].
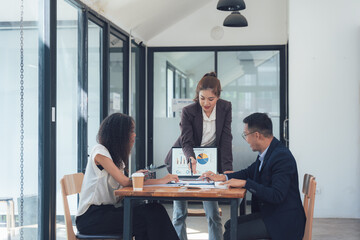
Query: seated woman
[100,211]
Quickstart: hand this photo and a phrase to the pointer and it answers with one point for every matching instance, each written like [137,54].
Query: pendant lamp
[231,5]
[235,19]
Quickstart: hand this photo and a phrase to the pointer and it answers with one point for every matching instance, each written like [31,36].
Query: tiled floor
[323,228]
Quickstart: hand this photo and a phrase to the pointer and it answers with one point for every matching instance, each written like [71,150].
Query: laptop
[206,161]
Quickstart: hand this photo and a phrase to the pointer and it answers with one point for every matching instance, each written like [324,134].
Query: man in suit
[277,211]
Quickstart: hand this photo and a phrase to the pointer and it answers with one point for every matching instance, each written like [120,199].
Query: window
[67,101]
[252,79]
[11,170]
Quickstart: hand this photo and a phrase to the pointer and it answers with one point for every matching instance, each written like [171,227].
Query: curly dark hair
[114,133]
[208,81]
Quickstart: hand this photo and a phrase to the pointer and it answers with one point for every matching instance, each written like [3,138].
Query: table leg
[242,207]
[234,218]
[127,231]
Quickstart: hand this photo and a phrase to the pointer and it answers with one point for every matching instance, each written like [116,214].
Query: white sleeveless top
[98,185]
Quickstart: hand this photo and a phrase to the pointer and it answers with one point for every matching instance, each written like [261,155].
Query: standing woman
[206,122]
[100,211]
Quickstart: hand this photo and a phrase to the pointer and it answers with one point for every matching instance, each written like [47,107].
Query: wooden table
[179,193]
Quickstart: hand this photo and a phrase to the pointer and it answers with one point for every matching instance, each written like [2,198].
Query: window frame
[284,111]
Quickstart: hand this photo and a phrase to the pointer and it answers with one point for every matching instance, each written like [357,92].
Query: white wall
[267,21]
[324,76]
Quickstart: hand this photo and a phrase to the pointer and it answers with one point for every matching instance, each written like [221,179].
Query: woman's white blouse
[209,129]
[98,185]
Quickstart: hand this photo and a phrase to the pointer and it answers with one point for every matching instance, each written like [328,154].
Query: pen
[191,166]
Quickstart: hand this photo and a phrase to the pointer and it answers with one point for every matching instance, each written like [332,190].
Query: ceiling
[146,18]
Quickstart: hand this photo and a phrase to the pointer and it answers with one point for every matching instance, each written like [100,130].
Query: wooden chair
[71,184]
[309,189]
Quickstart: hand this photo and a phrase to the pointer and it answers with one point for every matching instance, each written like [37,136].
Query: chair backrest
[70,184]
[309,189]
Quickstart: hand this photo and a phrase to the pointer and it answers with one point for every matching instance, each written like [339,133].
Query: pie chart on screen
[202,158]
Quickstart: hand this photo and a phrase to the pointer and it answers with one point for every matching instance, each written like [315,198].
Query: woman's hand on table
[144,171]
[170,178]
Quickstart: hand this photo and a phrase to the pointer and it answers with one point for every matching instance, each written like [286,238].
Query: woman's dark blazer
[191,127]
[275,192]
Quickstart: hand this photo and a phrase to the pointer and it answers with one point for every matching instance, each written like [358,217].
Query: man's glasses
[244,135]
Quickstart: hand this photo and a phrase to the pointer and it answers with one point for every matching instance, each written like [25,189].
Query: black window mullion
[140,107]
[47,120]
[82,89]
[126,79]
[105,81]
[216,61]
[150,110]
[283,94]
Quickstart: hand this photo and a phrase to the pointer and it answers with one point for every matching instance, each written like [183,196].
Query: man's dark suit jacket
[191,126]
[275,192]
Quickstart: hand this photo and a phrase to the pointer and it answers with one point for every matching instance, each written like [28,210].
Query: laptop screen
[206,161]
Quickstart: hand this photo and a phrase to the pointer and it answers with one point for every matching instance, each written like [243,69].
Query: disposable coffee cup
[138,181]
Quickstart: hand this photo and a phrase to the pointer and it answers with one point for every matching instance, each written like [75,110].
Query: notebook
[206,161]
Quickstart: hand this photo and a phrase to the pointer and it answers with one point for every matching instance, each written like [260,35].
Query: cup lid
[137,174]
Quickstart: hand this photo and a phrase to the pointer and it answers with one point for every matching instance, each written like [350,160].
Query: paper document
[180,183]
[196,182]
[198,186]
[166,185]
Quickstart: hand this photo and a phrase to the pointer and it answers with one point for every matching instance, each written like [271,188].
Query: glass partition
[94,76]
[251,82]
[116,74]
[67,101]
[19,169]
[176,75]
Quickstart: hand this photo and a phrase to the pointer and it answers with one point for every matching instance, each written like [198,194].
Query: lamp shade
[235,19]
[231,5]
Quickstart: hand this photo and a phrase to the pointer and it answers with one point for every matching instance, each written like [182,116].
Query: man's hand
[214,177]
[236,183]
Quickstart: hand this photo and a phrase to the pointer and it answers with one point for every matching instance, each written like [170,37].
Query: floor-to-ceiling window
[87,76]
[171,70]
[67,102]
[137,109]
[253,80]
[94,79]
[19,145]
[116,69]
